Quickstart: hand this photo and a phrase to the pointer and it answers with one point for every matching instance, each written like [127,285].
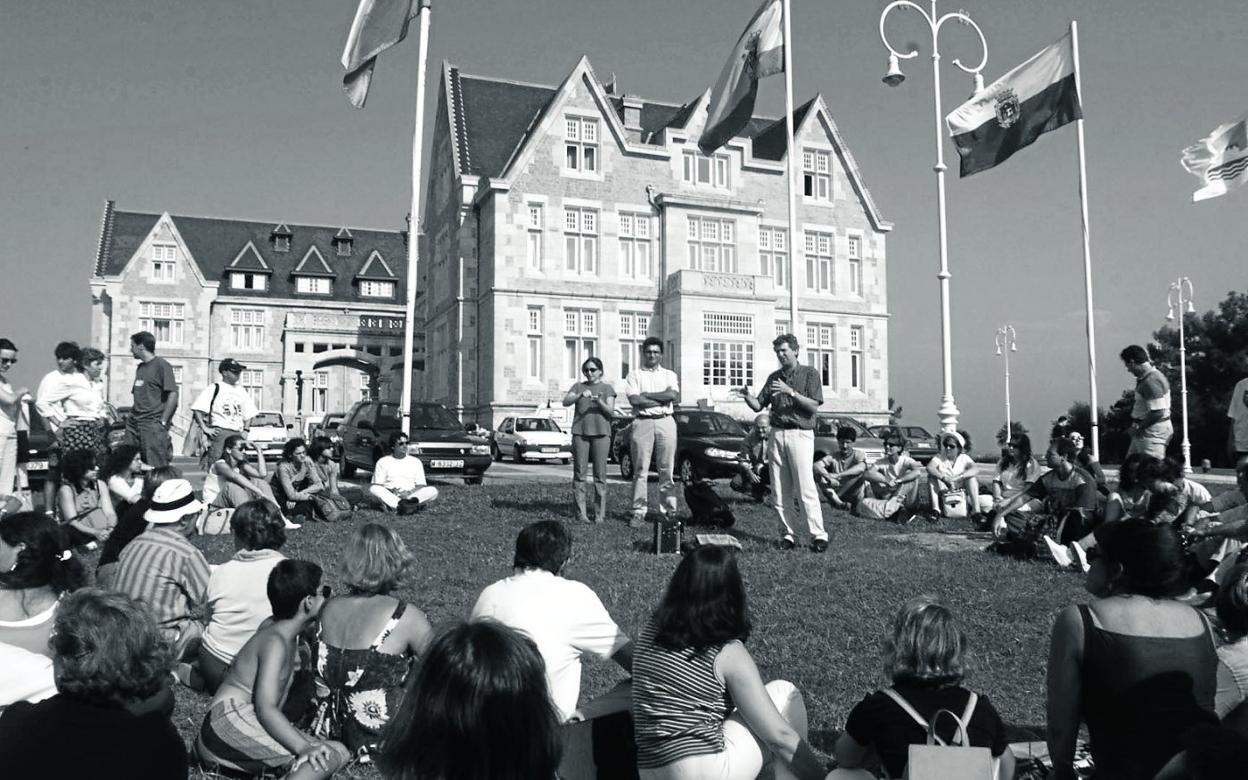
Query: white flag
[1219,161]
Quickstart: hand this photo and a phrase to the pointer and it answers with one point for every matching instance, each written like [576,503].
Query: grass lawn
[819,620]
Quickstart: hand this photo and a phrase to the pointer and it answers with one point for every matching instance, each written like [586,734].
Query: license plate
[37,465]
[550,449]
[446,464]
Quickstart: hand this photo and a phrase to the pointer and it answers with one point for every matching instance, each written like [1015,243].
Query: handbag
[937,760]
[953,504]
[331,508]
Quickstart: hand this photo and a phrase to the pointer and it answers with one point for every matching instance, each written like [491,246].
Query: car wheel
[626,465]
[495,451]
[473,480]
[517,455]
[687,473]
[566,461]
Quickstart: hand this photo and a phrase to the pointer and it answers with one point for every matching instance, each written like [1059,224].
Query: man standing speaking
[794,394]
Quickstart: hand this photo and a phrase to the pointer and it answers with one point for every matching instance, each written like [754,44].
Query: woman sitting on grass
[130,524]
[82,502]
[368,637]
[1016,470]
[951,468]
[330,502]
[478,708]
[296,482]
[926,660]
[237,589]
[245,730]
[700,708]
[233,481]
[123,473]
[1137,666]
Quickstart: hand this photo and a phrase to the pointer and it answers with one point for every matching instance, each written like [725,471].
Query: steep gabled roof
[249,259]
[770,141]
[313,264]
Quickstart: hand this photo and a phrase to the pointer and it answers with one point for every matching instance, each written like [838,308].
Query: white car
[534,438]
[269,431]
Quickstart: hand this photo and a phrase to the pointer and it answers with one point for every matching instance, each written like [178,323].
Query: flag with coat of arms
[1220,161]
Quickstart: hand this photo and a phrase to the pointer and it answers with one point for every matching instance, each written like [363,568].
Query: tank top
[679,705]
[1141,694]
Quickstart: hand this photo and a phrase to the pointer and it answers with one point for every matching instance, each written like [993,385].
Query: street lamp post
[1006,344]
[1180,298]
[948,409]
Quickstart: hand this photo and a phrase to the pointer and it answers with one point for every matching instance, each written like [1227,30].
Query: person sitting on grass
[752,475]
[1016,471]
[1068,513]
[130,525]
[951,468]
[83,503]
[895,480]
[297,483]
[478,708]
[237,600]
[245,729]
[368,638]
[842,474]
[110,716]
[1229,527]
[330,502]
[1232,610]
[1063,428]
[700,708]
[233,481]
[926,658]
[399,479]
[123,473]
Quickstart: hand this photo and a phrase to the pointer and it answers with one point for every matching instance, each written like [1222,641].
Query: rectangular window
[313,285]
[635,246]
[165,321]
[177,375]
[342,248]
[819,262]
[369,289]
[319,385]
[163,263]
[580,339]
[712,245]
[857,364]
[703,171]
[252,381]
[855,266]
[727,363]
[782,327]
[821,352]
[581,144]
[817,174]
[534,253]
[281,243]
[534,355]
[634,328]
[247,329]
[580,234]
[246,281]
[723,324]
[365,390]
[773,254]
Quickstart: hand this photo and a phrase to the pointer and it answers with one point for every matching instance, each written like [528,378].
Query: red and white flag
[759,52]
[1219,161]
[378,25]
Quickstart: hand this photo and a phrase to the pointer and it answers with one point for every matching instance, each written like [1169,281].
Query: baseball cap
[230,364]
[172,501]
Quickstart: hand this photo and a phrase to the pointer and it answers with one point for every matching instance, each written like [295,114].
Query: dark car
[825,436]
[920,442]
[437,438]
[329,428]
[707,444]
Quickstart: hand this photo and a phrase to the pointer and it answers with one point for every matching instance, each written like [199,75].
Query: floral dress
[365,689]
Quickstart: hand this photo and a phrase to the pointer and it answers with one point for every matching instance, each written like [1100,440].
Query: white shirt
[124,490]
[238,599]
[565,619]
[399,474]
[651,380]
[1237,411]
[232,409]
[69,396]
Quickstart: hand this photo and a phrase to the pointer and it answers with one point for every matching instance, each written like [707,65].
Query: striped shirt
[679,705]
[164,571]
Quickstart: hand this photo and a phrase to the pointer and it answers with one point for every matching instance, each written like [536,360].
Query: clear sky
[234,108]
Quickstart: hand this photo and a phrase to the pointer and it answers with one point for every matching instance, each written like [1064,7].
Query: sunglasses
[8,361]
[592,370]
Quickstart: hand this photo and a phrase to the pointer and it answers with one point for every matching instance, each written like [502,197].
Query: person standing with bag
[10,411]
[223,409]
[594,400]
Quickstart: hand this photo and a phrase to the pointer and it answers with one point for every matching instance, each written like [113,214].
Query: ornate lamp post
[1180,298]
[1006,344]
[948,409]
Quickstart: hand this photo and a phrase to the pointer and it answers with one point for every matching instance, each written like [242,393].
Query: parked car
[328,426]
[269,431]
[707,444]
[826,424]
[531,437]
[437,437]
[619,421]
[921,443]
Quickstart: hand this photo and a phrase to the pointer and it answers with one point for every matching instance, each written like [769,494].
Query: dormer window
[246,281]
[313,285]
[280,238]
[343,242]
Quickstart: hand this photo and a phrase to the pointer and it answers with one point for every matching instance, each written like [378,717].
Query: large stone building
[314,312]
[567,221]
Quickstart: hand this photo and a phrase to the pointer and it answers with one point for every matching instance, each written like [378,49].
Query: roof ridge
[461,124]
[266,223]
[497,80]
[106,236]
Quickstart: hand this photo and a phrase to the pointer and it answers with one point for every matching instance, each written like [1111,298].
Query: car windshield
[918,433]
[425,417]
[528,424]
[713,423]
[828,425]
[270,419]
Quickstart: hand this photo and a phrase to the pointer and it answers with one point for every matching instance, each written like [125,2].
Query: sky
[234,108]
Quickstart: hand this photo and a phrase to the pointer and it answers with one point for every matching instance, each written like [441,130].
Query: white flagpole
[1087,249]
[413,228]
[795,240]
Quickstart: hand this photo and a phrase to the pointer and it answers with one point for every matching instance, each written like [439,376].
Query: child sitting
[245,730]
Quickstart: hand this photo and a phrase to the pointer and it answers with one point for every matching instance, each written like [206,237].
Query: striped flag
[1219,161]
[378,25]
[759,52]
[1016,109]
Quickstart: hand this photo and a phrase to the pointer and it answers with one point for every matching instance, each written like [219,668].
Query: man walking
[653,391]
[223,409]
[1237,413]
[155,394]
[794,393]
[1150,415]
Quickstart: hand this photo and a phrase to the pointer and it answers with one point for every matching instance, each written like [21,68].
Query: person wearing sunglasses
[10,411]
[594,400]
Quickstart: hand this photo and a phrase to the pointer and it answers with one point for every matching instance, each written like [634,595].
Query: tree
[1216,342]
[1114,425]
[1016,428]
[894,411]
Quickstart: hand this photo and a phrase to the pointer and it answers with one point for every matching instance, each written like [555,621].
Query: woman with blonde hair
[926,659]
[368,638]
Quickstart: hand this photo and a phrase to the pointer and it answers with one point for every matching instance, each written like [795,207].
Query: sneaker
[819,545]
[1059,553]
[787,544]
[291,526]
[1080,556]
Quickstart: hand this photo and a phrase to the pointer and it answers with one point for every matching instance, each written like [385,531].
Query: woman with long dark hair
[1016,470]
[594,401]
[331,504]
[700,708]
[123,473]
[478,709]
[296,482]
[83,502]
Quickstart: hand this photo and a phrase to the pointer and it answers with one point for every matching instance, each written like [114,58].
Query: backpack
[936,760]
[707,506]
